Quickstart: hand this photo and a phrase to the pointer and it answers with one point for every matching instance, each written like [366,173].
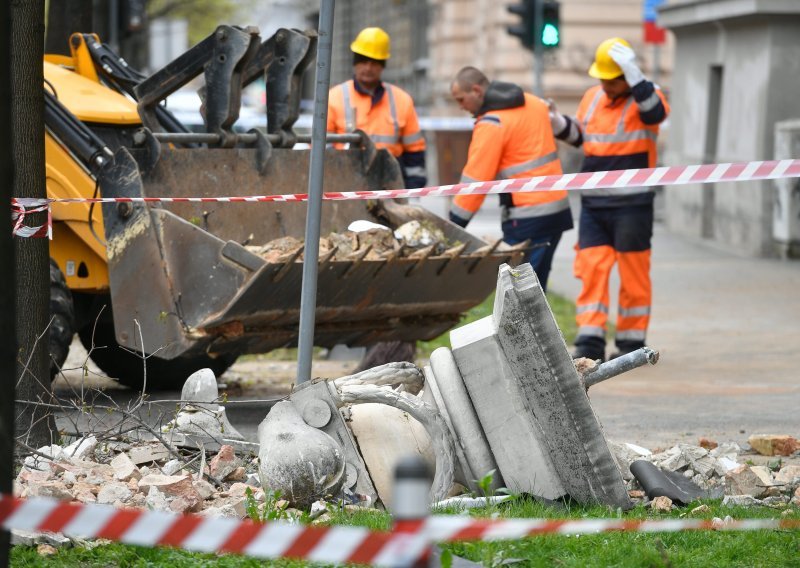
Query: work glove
[626,59]
[557,120]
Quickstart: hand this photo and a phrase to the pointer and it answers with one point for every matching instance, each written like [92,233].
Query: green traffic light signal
[551,22]
[550,36]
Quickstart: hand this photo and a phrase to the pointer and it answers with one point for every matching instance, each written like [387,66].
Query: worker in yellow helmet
[384,111]
[617,124]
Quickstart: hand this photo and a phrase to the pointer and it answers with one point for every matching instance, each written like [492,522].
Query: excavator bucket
[192,279]
[185,272]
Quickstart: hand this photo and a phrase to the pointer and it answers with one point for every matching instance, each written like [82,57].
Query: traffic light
[551,24]
[525,29]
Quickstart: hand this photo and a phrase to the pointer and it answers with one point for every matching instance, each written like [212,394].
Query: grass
[707,548]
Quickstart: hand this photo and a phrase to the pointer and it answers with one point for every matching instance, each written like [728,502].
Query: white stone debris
[201,414]
[148,453]
[81,448]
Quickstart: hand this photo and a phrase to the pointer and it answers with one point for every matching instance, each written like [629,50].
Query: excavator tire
[62,313]
[99,339]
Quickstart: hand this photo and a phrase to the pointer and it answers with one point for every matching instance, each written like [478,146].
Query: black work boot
[593,348]
[626,346]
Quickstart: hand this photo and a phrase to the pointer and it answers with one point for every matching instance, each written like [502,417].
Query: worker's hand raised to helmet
[626,59]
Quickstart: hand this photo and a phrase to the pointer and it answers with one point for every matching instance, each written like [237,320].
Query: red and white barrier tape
[19,208]
[322,544]
[336,544]
[615,179]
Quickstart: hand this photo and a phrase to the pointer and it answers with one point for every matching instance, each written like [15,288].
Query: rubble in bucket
[364,240]
[507,398]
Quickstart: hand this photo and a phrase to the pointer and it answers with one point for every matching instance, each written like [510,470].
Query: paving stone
[788,474]
[54,489]
[707,443]
[204,488]
[148,453]
[739,501]
[82,448]
[774,444]
[172,467]
[156,500]
[224,463]
[662,503]
[124,468]
[112,492]
[743,481]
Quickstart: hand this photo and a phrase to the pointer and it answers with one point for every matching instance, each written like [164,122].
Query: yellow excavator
[157,289]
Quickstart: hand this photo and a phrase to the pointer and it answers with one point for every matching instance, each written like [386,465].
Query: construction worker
[617,125]
[512,138]
[384,111]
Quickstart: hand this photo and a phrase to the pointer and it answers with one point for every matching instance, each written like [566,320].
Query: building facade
[737,75]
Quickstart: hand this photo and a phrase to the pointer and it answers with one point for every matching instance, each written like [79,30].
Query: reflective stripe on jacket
[614,135]
[513,143]
[391,122]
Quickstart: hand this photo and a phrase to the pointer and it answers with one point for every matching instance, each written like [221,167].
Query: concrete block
[529,398]
[514,436]
[444,388]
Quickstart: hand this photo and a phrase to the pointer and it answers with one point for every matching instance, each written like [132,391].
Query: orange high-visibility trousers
[593,267]
[608,236]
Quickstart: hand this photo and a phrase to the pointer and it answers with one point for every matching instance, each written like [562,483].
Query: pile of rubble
[140,476]
[363,240]
[715,470]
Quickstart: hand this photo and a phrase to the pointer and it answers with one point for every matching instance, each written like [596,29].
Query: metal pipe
[621,364]
[245,138]
[308,294]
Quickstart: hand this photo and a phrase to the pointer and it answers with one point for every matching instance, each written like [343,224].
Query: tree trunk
[8,345]
[65,17]
[34,424]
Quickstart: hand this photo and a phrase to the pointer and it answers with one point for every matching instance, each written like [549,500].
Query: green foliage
[203,16]
[273,509]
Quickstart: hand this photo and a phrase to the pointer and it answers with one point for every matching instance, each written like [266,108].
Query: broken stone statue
[201,415]
[505,398]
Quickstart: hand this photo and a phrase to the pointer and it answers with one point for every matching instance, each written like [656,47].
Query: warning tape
[613,179]
[335,544]
[18,211]
[403,547]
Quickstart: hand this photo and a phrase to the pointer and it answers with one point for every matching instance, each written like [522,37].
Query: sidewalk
[728,330]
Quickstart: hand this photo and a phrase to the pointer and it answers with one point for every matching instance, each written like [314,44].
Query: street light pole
[308,294]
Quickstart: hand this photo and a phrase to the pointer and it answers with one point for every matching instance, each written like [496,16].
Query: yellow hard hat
[372,43]
[604,67]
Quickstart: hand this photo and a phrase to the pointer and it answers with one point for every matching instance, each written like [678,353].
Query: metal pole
[538,50]
[308,296]
[656,62]
[8,347]
[622,364]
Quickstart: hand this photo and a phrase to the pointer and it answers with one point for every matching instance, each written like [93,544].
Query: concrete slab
[529,397]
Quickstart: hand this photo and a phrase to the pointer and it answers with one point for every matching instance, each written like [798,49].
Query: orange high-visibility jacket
[513,143]
[391,123]
[615,128]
